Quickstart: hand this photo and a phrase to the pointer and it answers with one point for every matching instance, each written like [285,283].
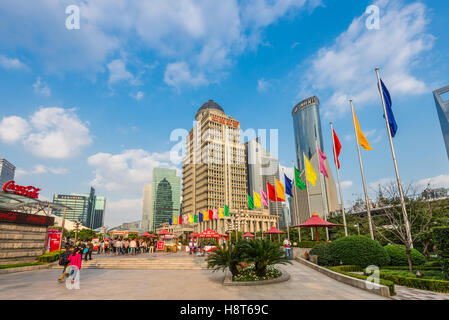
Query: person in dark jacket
[64,262]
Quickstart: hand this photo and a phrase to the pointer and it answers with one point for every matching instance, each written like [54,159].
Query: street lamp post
[77,225]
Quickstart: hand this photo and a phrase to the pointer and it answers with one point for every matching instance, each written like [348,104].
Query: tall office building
[262,168]
[214,169]
[7,171]
[89,209]
[147,207]
[322,198]
[166,196]
[443,113]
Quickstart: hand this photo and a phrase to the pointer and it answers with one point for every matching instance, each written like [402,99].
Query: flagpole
[277,207]
[295,197]
[368,209]
[287,220]
[318,156]
[307,190]
[339,184]
[393,153]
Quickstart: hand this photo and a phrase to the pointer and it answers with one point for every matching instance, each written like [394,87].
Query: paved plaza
[132,284]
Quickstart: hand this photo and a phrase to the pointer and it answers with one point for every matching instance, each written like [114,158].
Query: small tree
[391,225]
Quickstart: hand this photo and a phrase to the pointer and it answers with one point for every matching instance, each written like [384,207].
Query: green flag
[226,211]
[250,203]
[195,218]
[299,183]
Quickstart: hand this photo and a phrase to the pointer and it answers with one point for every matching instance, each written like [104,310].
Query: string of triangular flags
[206,215]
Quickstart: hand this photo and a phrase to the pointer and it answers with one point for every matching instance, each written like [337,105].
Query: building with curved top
[442,105]
[323,197]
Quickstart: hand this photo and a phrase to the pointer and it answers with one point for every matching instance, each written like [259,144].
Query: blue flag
[170,221]
[200,216]
[388,104]
[288,186]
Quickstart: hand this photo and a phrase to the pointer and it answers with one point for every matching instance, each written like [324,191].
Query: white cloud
[41,169]
[118,72]
[41,87]
[123,210]
[13,129]
[441,181]
[11,63]
[139,95]
[347,68]
[346,184]
[178,74]
[262,85]
[384,182]
[50,133]
[126,171]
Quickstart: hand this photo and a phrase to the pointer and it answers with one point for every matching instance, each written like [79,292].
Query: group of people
[126,246]
[194,246]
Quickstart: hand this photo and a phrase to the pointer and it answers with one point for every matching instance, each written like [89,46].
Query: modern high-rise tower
[147,207]
[214,169]
[7,171]
[166,196]
[308,134]
[443,113]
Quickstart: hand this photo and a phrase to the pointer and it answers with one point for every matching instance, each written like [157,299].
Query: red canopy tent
[274,230]
[164,233]
[209,233]
[193,235]
[316,222]
[248,235]
[146,234]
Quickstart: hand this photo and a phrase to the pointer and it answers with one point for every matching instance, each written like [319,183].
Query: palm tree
[263,253]
[226,258]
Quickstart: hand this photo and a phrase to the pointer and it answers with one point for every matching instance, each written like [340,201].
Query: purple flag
[263,198]
[185,219]
[322,167]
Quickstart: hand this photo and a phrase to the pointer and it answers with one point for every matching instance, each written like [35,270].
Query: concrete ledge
[29,268]
[361,284]
[229,283]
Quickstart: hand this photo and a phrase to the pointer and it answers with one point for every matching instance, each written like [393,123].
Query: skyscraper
[7,171]
[323,196]
[443,113]
[147,207]
[262,168]
[214,170]
[89,209]
[166,196]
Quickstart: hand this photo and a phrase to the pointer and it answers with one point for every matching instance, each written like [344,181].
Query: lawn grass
[427,274]
[19,265]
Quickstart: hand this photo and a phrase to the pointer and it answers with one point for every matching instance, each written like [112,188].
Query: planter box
[228,280]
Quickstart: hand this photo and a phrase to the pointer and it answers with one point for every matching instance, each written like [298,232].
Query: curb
[354,282]
[227,282]
[26,269]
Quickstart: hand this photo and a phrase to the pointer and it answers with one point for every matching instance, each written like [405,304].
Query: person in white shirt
[288,248]
[132,246]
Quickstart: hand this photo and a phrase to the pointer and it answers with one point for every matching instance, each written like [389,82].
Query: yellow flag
[280,191]
[220,213]
[190,218]
[361,137]
[311,175]
[175,221]
[205,216]
[257,202]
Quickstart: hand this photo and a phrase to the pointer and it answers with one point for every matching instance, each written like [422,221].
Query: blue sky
[96,106]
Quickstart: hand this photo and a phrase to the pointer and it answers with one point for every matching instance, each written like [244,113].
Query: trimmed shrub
[398,257]
[309,244]
[50,257]
[423,284]
[324,255]
[387,283]
[441,240]
[359,251]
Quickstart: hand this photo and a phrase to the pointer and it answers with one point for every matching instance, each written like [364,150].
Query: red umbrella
[316,222]
[146,234]
[248,235]
[193,235]
[164,233]
[274,230]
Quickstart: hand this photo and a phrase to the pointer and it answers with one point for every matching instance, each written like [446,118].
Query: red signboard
[53,239]
[160,245]
[30,191]
[24,218]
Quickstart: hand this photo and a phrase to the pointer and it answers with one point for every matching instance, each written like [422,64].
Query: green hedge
[405,268]
[308,244]
[50,257]
[358,250]
[423,284]
[324,255]
[398,257]
[349,268]
[441,241]
[383,282]
[20,265]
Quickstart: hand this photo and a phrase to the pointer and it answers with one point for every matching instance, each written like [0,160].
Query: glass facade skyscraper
[443,113]
[7,171]
[166,196]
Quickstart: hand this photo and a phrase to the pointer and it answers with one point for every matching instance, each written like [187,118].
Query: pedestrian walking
[118,246]
[90,248]
[132,246]
[64,262]
[75,268]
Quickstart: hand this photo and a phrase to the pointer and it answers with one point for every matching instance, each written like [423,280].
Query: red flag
[271,192]
[180,220]
[337,149]
[211,215]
